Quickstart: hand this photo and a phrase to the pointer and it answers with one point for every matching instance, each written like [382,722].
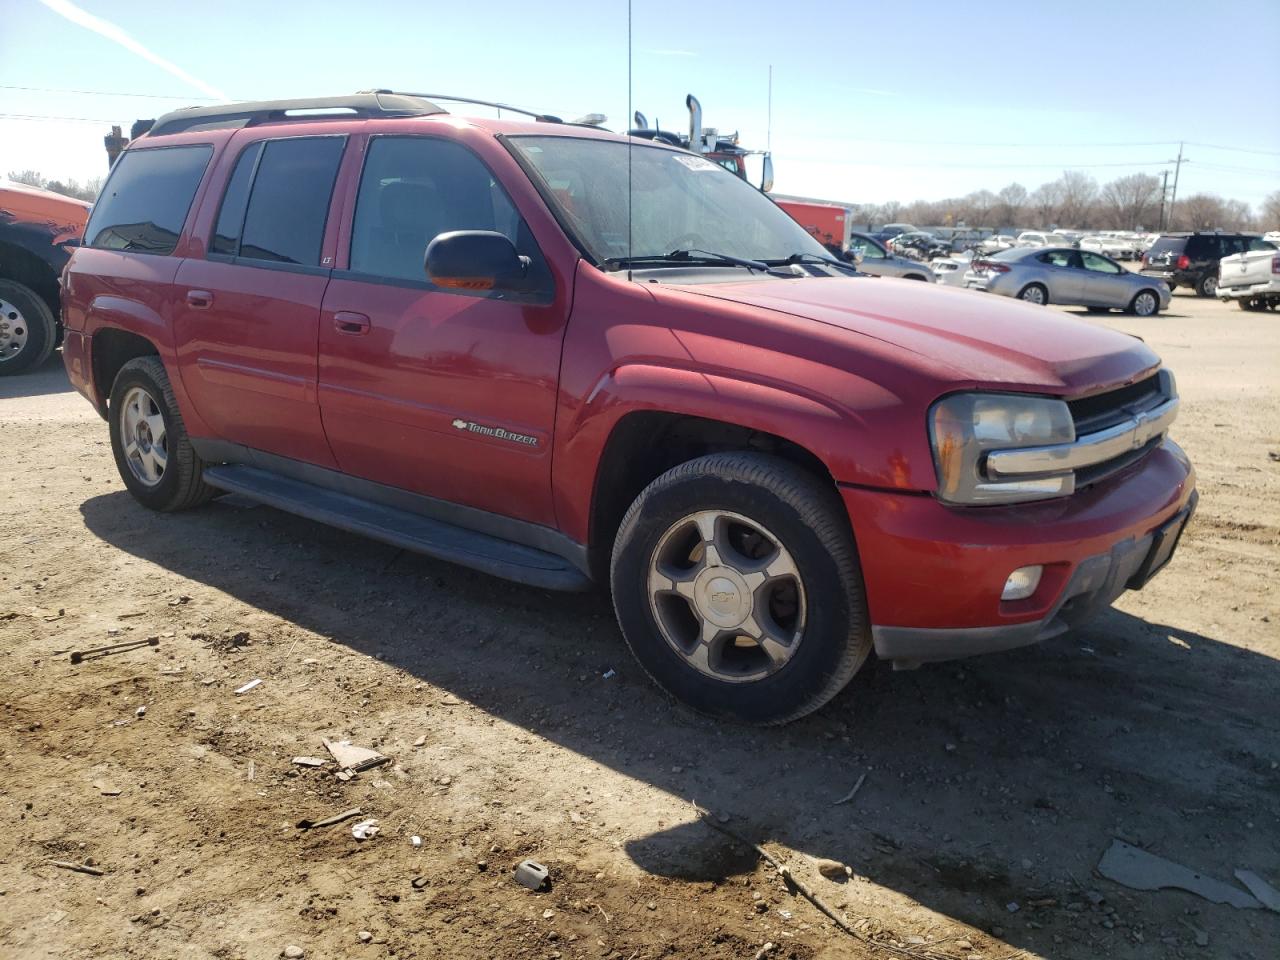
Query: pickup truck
[1251,278]
[568,358]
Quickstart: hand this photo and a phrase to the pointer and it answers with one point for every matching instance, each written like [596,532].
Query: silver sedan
[871,257]
[1062,275]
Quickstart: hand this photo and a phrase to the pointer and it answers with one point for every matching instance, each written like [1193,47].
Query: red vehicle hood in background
[984,339]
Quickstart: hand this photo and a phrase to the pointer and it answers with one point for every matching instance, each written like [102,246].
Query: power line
[39,116]
[1218,146]
[106,93]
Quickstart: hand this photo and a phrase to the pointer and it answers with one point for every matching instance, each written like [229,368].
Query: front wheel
[153,454]
[28,332]
[1145,304]
[736,584]
[1034,293]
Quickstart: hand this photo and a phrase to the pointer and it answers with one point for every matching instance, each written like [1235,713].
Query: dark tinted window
[1257,243]
[289,200]
[1201,247]
[147,198]
[226,235]
[414,188]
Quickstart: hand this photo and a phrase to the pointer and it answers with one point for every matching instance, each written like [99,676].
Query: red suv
[557,356]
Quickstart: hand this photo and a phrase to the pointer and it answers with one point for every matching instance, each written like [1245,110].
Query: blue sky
[871,100]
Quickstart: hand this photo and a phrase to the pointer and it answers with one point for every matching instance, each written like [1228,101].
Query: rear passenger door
[246,316]
[445,392]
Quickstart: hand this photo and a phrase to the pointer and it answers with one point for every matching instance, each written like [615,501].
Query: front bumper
[934,573]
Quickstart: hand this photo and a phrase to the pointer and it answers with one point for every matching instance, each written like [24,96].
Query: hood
[983,339]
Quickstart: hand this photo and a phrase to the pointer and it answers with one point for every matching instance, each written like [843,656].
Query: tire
[1145,303]
[916,276]
[177,484]
[1098,309]
[1034,293]
[800,528]
[28,331]
[1207,285]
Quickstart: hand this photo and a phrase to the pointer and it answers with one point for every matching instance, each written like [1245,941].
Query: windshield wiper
[692,257]
[812,258]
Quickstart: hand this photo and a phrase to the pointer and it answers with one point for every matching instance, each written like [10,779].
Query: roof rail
[544,117]
[372,103]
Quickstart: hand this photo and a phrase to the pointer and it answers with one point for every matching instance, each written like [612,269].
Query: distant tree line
[87,191]
[1076,201]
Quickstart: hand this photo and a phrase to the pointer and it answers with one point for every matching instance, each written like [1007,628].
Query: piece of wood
[77,867]
[852,793]
[330,821]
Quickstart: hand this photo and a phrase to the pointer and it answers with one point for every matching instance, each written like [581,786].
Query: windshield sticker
[695,163]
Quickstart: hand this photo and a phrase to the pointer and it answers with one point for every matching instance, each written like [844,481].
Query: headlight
[965,427]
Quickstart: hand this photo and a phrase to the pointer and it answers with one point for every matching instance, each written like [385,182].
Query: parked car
[1272,236]
[997,242]
[1033,238]
[430,330]
[1066,276]
[1252,278]
[1114,247]
[35,226]
[873,258]
[1191,259]
[950,271]
[919,245]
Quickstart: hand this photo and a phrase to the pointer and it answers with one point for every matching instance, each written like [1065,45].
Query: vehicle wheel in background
[1034,293]
[736,583]
[1146,303]
[153,454]
[1098,309]
[28,332]
[1207,285]
[915,276]
[1172,286]
[1251,303]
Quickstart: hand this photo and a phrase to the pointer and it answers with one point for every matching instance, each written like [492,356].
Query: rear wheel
[1251,303]
[1145,304]
[1207,285]
[28,332]
[736,584]
[1034,293]
[1098,309]
[153,453]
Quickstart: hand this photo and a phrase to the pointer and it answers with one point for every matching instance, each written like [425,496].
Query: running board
[409,531]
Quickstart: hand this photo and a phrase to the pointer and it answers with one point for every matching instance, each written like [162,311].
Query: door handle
[200,299]
[353,324]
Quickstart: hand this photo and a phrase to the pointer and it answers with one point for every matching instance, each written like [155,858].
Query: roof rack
[544,117]
[369,103]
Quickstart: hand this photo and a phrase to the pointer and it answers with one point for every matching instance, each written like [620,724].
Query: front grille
[1104,410]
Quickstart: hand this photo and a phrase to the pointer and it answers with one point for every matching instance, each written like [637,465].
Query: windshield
[680,202]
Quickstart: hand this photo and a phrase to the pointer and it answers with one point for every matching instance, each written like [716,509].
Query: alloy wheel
[13,331]
[727,596]
[1033,295]
[143,434]
[1144,304]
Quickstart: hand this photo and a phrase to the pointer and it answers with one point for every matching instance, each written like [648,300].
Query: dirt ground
[518,726]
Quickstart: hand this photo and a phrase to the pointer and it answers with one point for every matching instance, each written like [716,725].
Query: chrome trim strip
[1091,449]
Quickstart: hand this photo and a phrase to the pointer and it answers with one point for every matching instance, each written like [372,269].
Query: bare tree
[1044,201]
[31,178]
[976,208]
[1077,192]
[1271,211]
[70,188]
[1132,201]
[1200,211]
[1008,211]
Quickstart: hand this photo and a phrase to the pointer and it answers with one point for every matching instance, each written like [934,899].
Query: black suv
[1191,259]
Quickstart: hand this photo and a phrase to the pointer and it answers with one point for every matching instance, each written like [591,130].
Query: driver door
[1105,283]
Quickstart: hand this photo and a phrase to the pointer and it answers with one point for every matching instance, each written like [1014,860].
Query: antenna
[630,139]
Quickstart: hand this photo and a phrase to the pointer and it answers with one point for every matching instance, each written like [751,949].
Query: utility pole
[1164,198]
[1176,170]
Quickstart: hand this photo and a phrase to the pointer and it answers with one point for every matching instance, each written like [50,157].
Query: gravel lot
[519,727]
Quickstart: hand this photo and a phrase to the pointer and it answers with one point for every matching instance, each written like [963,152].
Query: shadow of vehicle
[992,782]
[49,377]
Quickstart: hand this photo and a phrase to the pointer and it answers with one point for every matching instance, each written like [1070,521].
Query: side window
[414,188]
[1056,258]
[868,250]
[1257,243]
[1098,264]
[147,198]
[226,235]
[289,200]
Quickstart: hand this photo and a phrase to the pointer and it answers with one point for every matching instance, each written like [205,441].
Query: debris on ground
[106,789]
[77,867]
[609,674]
[852,793]
[1265,893]
[78,656]
[310,761]
[415,841]
[1139,870]
[292,952]
[330,821]
[352,759]
[364,936]
[365,829]
[833,869]
[531,874]
[248,686]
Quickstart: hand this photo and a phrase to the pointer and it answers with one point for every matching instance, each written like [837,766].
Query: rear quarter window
[147,198]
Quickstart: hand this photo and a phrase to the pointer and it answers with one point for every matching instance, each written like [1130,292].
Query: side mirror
[475,260]
[766,180]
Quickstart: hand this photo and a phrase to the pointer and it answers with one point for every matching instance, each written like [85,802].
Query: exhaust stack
[695,124]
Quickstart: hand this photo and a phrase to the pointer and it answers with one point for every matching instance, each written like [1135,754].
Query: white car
[950,271]
[1272,236]
[1033,238]
[1117,248]
[997,242]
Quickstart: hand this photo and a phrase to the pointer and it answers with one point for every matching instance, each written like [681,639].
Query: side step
[400,528]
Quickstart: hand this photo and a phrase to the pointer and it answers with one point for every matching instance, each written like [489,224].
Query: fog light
[1022,583]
